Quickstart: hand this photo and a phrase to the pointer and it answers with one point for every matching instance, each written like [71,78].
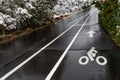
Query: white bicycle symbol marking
[91,54]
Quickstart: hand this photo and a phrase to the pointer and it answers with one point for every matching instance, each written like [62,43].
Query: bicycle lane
[71,69]
[38,68]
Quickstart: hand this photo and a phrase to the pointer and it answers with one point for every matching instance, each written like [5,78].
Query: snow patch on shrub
[66,7]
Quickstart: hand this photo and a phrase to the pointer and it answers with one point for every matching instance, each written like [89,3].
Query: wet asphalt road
[70,69]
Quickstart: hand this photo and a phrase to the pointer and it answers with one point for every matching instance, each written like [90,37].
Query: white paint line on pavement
[91,34]
[65,52]
[35,54]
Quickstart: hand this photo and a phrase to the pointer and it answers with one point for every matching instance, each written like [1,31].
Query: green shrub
[109,17]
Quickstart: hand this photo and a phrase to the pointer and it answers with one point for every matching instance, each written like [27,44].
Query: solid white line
[64,53]
[35,54]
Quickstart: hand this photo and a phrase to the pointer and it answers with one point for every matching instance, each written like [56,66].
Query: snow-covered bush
[66,7]
[2,24]
[6,21]
[16,14]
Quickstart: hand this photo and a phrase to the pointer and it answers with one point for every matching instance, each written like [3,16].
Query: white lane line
[49,76]
[35,54]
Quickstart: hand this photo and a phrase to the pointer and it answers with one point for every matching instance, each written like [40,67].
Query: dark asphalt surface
[70,69]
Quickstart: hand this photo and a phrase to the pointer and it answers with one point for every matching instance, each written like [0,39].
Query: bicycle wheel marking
[85,62]
[91,54]
[101,63]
